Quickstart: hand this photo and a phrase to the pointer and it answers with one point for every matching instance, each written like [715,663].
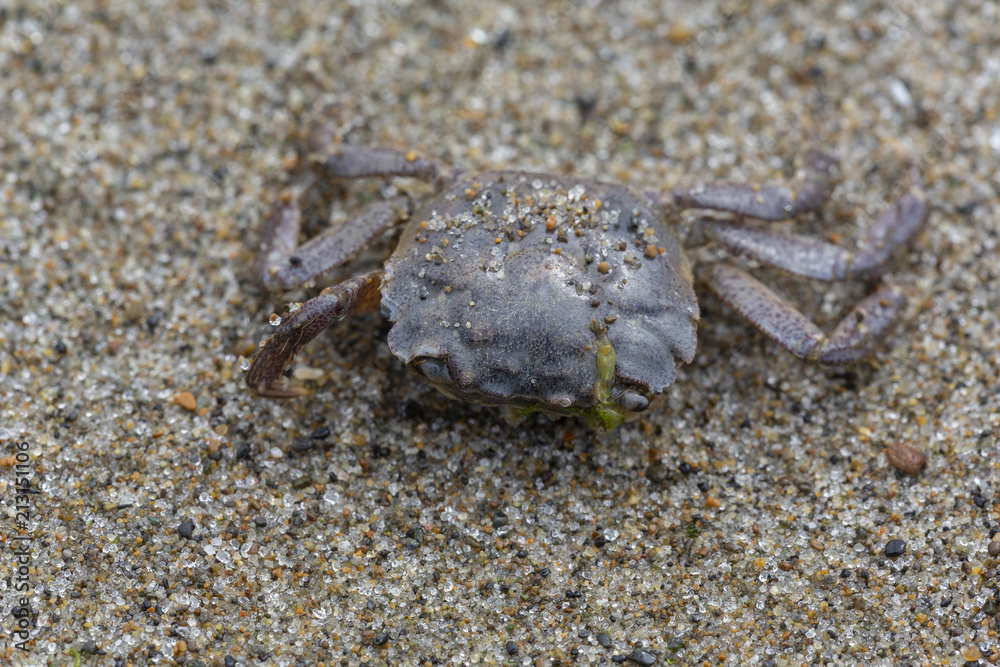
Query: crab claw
[266,366]
[301,326]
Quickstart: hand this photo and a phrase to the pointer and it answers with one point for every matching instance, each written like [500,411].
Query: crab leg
[283,264]
[769,202]
[355,295]
[346,161]
[851,341]
[812,258]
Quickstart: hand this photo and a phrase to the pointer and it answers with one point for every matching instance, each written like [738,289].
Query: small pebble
[186,400]
[307,373]
[905,458]
[60,347]
[511,648]
[603,639]
[186,529]
[994,548]
[972,653]
[895,548]
[642,657]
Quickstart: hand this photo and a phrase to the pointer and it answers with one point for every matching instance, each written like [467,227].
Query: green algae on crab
[607,414]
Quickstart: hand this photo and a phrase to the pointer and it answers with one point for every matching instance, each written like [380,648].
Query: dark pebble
[522,554]
[260,521]
[585,103]
[657,473]
[186,529]
[321,433]
[382,639]
[544,572]
[511,648]
[994,548]
[603,639]
[60,347]
[502,40]
[895,548]
[945,602]
[500,519]
[642,657]
[89,646]
[990,607]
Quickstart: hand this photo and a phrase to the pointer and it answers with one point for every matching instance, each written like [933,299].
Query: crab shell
[535,292]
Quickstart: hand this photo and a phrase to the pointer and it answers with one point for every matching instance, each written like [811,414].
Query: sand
[752,519]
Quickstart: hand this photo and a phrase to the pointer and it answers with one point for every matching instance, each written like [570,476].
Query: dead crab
[538,292]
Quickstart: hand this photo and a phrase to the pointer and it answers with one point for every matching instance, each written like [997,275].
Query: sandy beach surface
[755,518]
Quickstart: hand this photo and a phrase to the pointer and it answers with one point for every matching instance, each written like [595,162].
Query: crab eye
[632,401]
[432,368]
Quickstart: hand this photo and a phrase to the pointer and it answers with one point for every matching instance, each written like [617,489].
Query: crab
[570,296]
